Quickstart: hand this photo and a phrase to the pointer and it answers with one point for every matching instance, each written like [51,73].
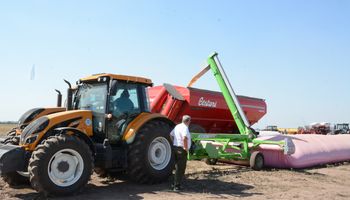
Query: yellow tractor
[13,136]
[107,127]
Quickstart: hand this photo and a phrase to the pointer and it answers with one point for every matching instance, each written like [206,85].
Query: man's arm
[185,144]
[186,137]
[172,135]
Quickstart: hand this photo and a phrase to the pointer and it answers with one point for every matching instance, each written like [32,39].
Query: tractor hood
[36,130]
[80,119]
[35,113]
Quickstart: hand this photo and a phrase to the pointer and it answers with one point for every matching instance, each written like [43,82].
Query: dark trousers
[180,164]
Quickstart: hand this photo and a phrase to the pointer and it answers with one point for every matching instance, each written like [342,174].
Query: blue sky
[294,54]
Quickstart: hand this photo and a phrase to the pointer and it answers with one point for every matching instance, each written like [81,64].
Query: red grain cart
[208,109]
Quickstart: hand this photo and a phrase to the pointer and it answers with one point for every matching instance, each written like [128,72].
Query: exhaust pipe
[69,96]
[59,98]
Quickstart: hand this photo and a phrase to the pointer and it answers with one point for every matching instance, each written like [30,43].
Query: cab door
[123,106]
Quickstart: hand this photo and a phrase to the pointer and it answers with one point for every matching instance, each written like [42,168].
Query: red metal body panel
[207,108]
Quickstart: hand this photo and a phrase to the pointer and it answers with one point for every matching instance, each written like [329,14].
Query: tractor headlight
[29,134]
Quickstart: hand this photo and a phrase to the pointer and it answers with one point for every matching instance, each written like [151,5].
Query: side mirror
[113,87]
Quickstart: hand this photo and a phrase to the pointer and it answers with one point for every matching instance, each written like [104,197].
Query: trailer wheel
[60,165]
[211,161]
[257,161]
[150,158]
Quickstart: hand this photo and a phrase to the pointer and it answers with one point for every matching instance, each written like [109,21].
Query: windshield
[91,97]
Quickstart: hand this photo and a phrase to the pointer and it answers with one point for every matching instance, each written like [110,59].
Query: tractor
[107,127]
[13,136]
[341,128]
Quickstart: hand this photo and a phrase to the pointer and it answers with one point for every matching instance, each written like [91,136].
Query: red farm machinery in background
[208,109]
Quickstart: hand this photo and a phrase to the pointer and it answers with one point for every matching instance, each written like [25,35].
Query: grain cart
[208,109]
[110,127]
[243,146]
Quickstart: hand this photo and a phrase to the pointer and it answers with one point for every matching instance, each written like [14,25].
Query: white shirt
[179,133]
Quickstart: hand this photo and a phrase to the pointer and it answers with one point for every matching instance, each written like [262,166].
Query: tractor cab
[114,101]
[341,128]
[271,128]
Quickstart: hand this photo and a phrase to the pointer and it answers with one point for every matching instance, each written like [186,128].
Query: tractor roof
[135,79]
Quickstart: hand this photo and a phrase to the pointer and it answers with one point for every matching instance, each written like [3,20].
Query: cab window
[126,100]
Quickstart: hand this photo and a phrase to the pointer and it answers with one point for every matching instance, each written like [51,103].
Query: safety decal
[88,122]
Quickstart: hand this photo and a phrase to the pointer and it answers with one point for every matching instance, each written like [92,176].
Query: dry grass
[4,128]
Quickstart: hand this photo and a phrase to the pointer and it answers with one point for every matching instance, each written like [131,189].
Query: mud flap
[12,158]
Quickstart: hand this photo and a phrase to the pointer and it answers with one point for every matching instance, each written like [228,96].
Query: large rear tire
[150,158]
[61,165]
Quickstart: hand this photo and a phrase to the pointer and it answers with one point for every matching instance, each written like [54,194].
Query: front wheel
[150,156]
[61,165]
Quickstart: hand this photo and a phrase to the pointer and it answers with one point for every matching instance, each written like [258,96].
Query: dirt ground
[222,181]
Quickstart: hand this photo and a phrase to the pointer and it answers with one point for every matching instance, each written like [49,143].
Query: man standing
[181,138]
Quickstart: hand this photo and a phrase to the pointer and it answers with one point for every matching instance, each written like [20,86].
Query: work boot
[177,188]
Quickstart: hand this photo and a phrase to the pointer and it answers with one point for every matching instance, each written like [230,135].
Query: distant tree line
[8,122]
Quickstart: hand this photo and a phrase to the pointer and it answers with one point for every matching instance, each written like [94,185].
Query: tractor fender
[79,134]
[133,127]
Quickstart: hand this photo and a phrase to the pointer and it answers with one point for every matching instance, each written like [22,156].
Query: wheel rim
[65,167]
[159,153]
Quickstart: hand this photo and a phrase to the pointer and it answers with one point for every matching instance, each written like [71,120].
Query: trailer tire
[257,161]
[211,161]
[60,165]
[150,158]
